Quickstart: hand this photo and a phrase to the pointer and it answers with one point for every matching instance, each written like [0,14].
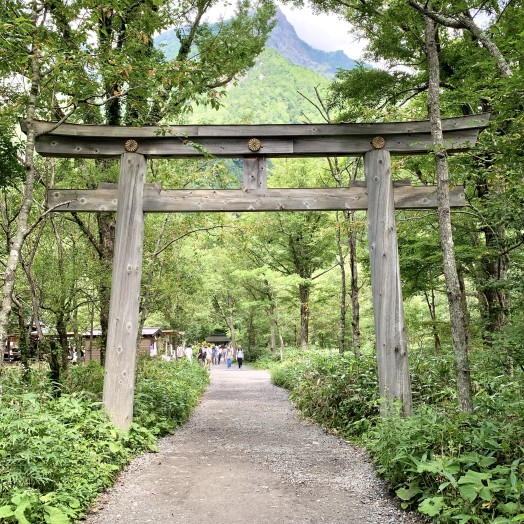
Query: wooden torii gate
[132,198]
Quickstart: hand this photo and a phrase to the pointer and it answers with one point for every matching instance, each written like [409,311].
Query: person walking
[201,356]
[240,356]
[229,356]
[209,357]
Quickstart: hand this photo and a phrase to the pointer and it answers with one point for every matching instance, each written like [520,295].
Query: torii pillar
[122,333]
[388,309]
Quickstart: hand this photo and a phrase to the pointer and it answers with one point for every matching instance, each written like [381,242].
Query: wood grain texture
[157,200]
[281,141]
[285,147]
[388,311]
[254,175]
[119,377]
[479,121]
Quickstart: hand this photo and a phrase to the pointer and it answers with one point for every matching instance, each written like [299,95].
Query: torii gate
[132,198]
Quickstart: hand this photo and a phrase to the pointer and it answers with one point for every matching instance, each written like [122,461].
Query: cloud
[324,31]
[321,31]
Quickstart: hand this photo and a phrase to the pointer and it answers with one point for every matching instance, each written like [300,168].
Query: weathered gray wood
[119,378]
[284,147]
[211,200]
[298,140]
[391,343]
[254,173]
[265,130]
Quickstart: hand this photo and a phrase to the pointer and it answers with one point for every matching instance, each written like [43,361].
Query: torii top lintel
[269,140]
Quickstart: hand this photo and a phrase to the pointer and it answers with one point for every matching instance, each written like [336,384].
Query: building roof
[152,331]
[217,338]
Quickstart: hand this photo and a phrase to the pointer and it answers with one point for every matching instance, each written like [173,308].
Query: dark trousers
[239,360]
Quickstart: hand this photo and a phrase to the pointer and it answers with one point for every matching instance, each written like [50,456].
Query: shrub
[454,466]
[56,454]
[166,393]
[338,391]
[85,378]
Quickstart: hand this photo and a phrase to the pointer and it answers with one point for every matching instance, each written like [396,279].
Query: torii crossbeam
[132,197]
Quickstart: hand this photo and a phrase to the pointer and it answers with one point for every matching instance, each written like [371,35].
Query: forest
[294,289]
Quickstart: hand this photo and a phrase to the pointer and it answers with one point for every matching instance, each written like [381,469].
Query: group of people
[214,355]
[208,354]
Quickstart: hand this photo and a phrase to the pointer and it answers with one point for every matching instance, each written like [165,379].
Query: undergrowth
[451,466]
[57,454]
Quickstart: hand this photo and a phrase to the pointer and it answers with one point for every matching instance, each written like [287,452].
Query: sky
[322,31]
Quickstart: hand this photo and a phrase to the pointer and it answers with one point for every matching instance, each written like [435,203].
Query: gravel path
[246,457]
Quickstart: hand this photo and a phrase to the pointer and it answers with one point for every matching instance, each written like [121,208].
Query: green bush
[56,455]
[338,391]
[451,466]
[454,466]
[166,393]
[16,381]
[85,378]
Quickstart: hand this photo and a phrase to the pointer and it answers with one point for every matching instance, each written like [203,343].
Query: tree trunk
[355,303]
[61,329]
[228,317]
[27,201]
[494,270]
[148,284]
[233,333]
[231,323]
[456,310]
[273,327]
[53,359]
[343,291]
[24,346]
[106,231]
[433,315]
[251,332]
[304,315]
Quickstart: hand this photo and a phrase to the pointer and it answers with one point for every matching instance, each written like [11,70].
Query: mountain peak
[286,41]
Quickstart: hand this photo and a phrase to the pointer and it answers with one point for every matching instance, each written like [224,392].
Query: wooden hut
[151,343]
[218,338]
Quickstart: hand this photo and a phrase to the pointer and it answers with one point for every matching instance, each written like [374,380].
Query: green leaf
[509,507]
[434,466]
[462,519]
[468,492]
[486,494]
[518,518]
[409,492]
[115,447]
[6,511]
[487,461]
[55,516]
[19,514]
[432,506]
[474,477]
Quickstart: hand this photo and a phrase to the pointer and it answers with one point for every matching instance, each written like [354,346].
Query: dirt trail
[246,457]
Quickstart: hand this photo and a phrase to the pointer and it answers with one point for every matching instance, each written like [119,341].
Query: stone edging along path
[246,457]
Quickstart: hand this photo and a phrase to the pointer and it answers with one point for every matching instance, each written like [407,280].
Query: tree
[476,73]
[100,66]
[343,173]
[297,243]
[457,314]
